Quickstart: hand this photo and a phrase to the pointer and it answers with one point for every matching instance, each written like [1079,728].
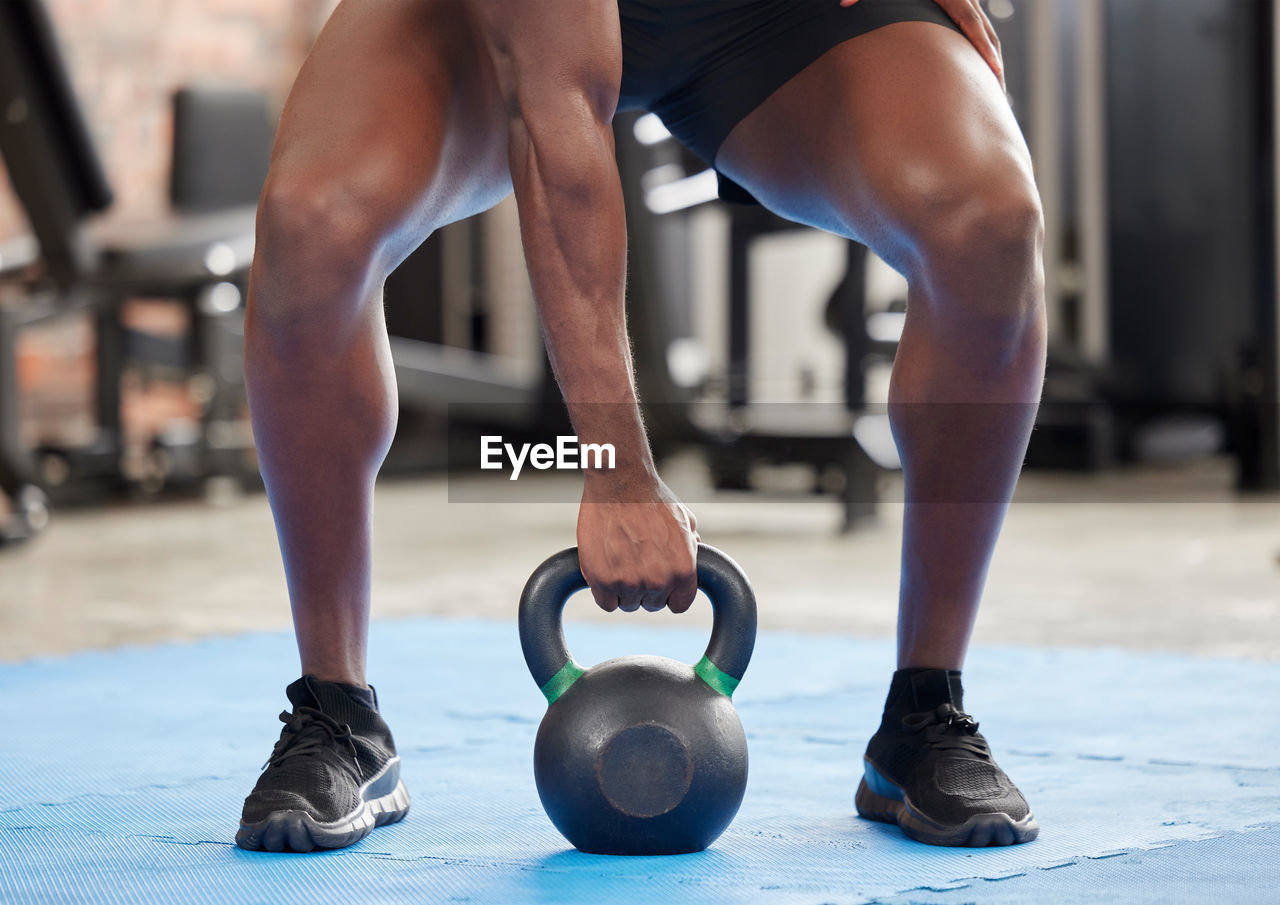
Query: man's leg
[393,128]
[361,173]
[902,139]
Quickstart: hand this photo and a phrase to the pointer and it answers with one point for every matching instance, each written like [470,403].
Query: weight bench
[200,255]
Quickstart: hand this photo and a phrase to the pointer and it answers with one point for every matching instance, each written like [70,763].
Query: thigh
[881,138]
[395,114]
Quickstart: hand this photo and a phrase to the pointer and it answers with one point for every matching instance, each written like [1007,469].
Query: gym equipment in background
[201,256]
[463,335]
[639,755]
[465,341]
[1193,331]
[463,329]
[77,265]
[662,185]
[1152,124]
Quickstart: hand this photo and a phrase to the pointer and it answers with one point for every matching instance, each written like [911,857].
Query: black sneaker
[332,777]
[929,770]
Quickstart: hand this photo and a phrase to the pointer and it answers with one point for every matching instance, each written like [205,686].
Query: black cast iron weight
[640,755]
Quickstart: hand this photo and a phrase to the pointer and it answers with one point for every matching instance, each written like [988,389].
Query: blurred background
[135,136]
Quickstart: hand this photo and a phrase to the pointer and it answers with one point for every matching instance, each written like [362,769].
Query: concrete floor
[1164,559]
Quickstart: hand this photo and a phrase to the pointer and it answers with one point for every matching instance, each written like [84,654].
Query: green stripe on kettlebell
[719,681]
[560,682]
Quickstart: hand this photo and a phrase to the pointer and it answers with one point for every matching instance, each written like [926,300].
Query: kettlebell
[639,755]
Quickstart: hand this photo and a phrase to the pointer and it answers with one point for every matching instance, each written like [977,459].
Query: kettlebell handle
[733,631]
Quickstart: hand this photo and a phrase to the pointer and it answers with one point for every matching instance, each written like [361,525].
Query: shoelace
[307,732]
[947,727]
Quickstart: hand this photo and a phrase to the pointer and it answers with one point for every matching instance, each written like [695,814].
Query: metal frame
[1045,139]
[1090,118]
[1268,316]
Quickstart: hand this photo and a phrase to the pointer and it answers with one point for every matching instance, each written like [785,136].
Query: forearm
[574,229]
[559,66]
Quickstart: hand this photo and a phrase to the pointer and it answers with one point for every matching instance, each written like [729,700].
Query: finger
[994,37]
[973,24]
[682,595]
[992,34]
[848,2]
[652,601]
[606,601]
[629,603]
[991,43]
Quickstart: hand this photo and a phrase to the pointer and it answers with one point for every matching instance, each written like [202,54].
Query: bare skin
[930,171]
[456,102]
[368,160]
[559,76]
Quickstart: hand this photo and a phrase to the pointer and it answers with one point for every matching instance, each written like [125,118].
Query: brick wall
[127,56]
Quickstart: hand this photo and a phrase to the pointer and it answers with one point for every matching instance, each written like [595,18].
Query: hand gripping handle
[733,632]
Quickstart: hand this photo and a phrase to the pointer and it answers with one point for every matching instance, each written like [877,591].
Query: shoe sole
[298,831]
[891,805]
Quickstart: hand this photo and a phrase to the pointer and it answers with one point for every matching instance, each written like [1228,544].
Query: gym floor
[1125,664]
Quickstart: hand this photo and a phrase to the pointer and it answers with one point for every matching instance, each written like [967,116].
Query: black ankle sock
[303,688]
[366,696]
[916,690]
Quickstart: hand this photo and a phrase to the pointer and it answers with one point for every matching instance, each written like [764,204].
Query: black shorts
[703,65]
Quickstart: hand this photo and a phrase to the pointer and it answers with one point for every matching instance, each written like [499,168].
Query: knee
[974,258]
[317,244]
[1000,225]
[981,247]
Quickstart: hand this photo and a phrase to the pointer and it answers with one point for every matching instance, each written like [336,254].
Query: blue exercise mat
[1155,778]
